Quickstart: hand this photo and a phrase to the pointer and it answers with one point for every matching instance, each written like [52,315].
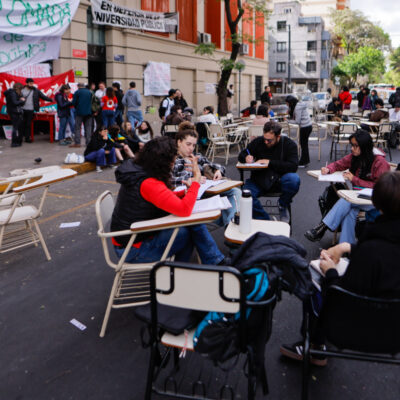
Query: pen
[248,152]
[326,164]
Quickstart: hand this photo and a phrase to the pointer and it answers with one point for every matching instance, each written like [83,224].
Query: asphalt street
[44,357]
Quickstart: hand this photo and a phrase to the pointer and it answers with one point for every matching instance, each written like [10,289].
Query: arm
[75,99]
[124,100]
[340,165]
[379,166]
[251,148]
[138,99]
[157,193]
[44,97]
[180,173]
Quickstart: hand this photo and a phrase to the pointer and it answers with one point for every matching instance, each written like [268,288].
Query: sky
[385,12]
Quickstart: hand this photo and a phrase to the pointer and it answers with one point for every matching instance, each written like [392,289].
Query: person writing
[146,183]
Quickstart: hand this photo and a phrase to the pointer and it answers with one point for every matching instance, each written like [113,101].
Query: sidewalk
[23,157]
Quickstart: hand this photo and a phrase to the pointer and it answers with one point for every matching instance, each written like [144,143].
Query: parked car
[278,104]
[323,99]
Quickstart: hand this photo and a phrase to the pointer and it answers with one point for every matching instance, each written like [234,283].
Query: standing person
[145,132]
[32,96]
[229,96]
[360,98]
[395,97]
[108,106]
[133,101]
[180,100]
[82,101]
[374,98]
[101,91]
[299,114]
[345,97]
[15,101]
[119,112]
[167,104]
[64,113]
[367,103]
[266,96]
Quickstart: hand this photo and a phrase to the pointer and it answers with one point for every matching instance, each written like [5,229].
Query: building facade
[309,47]
[105,53]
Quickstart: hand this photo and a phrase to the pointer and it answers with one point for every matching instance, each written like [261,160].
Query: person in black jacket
[360,98]
[15,102]
[101,149]
[266,96]
[119,112]
[373,269]
[279,154]
[64,113]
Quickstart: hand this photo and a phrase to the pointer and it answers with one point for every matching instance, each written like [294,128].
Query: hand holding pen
[249,157]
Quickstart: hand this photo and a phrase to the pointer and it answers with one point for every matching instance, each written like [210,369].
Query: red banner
[49,86]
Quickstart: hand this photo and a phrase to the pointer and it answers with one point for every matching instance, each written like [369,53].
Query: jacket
[379,114]
[266,97]
[119,94]
[174,119]
[132,100]
[360,99]
[286,254]
[283,157]
[82,102]
[37,94]
[63,105]
[394,99]
[345,98]
[14,103]
[96,143]
[379,166]
[374,261]
[131,206]
[302,115]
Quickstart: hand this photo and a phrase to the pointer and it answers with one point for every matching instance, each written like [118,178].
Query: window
[287,10]
[312,45]
[187,20]
[280,47]
[95,33]
[258,83]
[281,25]
[311,66]
[311,28]
[281,67]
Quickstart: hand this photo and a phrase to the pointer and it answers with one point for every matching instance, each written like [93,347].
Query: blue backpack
[217,334]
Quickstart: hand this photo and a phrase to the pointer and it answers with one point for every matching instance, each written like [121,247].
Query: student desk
[352,197]
[223,187]
[242,167]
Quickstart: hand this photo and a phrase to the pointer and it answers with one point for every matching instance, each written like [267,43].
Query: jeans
[87,124]
[16,120]
[135,117]
[100,157]
[288,185]
[26,123]
[345,214]
[187,238]
[304,135]
[63,126]
[233,196]
[108,118]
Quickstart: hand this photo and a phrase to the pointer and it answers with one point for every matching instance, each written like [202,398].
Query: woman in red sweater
[109,104]
[365,165]
[146,193]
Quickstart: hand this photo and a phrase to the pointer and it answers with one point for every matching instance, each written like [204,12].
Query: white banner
[37,17]
[20,50]
[157,79]
[105,12]
[32,71]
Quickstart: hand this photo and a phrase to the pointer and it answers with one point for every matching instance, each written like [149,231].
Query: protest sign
[157,79]
[32,71]
[105,12]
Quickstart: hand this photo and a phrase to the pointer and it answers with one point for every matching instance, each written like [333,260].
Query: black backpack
[161,109]
[96,105]
[329,197]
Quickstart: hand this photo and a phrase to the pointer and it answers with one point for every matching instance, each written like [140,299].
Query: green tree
[227,65]
[392,77]
[366,61]
[356,31]
[395,60]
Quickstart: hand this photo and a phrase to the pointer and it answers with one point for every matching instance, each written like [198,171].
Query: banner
[157,79]
[49,86]
[41,18]
[105,12]
[32,71]
[20,50]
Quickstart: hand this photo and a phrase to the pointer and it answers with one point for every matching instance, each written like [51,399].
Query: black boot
[316,233]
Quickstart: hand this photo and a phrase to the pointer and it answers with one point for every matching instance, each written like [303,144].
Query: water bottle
[246,209]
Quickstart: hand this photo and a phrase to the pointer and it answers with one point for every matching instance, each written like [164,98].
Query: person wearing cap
[82,101]
[32,95]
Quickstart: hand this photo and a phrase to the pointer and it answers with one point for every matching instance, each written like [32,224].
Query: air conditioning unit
[204,38]
[308,53]
[296,63]
[244,49]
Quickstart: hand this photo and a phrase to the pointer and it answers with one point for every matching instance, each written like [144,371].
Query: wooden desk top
[370,123]
[315,173]
[223,187]
[233,235]
[352,197]
[247,167]
[47,179]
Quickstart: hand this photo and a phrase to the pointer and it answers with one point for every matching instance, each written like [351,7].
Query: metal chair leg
[306,358]
[38,231]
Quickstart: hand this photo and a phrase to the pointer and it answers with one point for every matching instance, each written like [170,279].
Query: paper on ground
[341,266]
[78,324]
[335,177]
[211,204]
[69,224]
[209,183]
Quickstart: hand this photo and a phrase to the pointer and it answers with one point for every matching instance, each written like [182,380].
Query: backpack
[217,334]
[161,109]
[329,197]
[96,105]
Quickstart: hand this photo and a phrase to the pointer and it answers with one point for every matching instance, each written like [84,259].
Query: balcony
[324,74]
[324,55]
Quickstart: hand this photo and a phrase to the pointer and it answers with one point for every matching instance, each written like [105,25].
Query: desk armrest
[47,179]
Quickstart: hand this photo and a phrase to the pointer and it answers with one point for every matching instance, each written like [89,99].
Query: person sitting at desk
[146,183]
[262,116]
[208,116]
[246,112]
[365,165]
[335,107]
[373,269]
[186,140]
[176,116]
[279,154]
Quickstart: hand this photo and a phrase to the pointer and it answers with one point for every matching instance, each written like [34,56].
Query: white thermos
[246,208]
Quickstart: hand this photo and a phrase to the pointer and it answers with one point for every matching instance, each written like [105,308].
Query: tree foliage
[366,61]
[357,31]
[395,60]
[246,12]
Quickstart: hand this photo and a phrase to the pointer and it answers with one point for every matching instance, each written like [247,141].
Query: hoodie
[301,115]
[379,114]
[14,104]
[132,100]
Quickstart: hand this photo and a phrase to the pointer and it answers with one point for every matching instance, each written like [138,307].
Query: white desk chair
[317,137]
[217,140]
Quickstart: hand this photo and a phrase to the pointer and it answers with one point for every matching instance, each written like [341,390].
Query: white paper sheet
[341,266]
[209,183]
[69,224]
[335,177]
[78,324]
[211,204]
[254,164]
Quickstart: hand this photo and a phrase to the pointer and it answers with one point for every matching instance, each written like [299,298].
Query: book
[317,275]
[209,183]
[211,204]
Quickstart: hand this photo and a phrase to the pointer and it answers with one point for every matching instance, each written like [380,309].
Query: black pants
[304,135]
[16,120]
[26,124]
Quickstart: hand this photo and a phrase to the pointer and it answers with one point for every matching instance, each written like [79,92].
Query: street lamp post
[240,81]
[289,59]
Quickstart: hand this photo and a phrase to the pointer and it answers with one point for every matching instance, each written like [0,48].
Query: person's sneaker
[75,145]
[68,139]
[295,352]
[284,214]
[113,166]
[98,169]
[317,233]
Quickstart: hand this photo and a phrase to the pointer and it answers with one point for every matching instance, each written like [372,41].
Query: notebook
[317,275]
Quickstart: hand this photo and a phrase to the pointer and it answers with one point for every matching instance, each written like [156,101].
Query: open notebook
[317,275]
[211,204]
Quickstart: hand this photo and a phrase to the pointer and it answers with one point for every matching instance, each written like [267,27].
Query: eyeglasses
[269,140]
[354,145]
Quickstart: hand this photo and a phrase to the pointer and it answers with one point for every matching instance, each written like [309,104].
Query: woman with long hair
[145,132]
[179,100]
[146,184]
[109,104]
[300,115]
[64,113]
[15,101]
[365,165]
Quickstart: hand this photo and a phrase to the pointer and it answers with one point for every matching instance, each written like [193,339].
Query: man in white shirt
[167,104]
[394,117]
[101,91]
